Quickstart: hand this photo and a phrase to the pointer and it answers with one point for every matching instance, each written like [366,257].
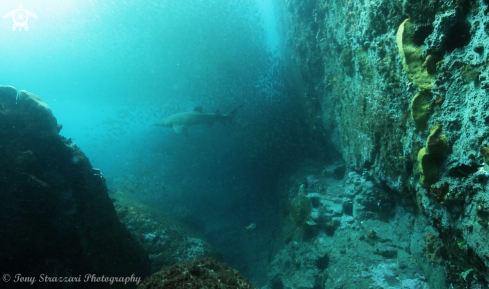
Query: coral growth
[485,154]
[428,157]
[197,274]
[435,252]
[439,192]
[416,67]
[420,106]
[436,144]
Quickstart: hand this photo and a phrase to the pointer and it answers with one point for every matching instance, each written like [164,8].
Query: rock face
[56,217]
[378,85]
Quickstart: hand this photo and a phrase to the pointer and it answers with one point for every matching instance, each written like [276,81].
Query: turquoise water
[109,70]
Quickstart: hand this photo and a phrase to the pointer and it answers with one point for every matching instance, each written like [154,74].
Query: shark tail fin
[232,114]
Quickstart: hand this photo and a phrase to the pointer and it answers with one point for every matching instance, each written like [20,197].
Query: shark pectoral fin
[230,116]
[180,128]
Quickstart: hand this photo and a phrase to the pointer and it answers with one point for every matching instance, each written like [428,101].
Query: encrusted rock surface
[360,94]
[56,217]
[166,240]
[197,274]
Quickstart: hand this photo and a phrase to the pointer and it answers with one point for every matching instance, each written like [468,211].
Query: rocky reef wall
[400,88]
[56,218]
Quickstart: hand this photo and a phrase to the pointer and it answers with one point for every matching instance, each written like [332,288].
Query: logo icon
[20,17]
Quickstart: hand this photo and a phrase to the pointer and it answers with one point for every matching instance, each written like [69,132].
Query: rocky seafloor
[400,88]
[165,240]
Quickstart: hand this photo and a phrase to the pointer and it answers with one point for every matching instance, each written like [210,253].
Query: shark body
[181,121]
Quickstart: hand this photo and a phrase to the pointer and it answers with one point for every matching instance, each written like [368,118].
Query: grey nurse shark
[181,121]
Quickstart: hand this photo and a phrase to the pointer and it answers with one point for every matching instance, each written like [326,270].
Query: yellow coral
[428,157]
[420,108]
[420,71]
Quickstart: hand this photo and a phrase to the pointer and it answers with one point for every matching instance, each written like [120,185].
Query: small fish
[252,226]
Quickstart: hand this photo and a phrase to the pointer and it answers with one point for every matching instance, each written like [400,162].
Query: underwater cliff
[57,219]
[400,87]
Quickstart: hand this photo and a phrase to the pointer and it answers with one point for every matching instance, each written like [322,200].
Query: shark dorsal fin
[199,109]
[218,112]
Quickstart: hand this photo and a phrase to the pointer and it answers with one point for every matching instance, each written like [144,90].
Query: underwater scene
[272,144]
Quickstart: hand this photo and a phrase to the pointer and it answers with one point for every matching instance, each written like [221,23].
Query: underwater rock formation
[347,240]
[375,76]
[56,217]
[165,240]
[197,274]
